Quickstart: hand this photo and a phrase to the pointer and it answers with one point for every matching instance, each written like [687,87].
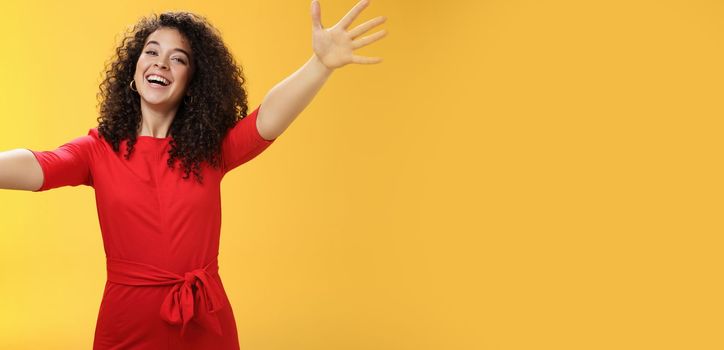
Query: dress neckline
[142,137]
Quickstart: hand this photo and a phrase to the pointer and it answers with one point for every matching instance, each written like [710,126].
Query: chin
[159,102]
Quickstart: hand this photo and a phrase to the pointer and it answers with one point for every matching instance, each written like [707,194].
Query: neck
[156,120]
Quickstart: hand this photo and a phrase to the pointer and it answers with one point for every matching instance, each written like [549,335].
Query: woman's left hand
[333,46]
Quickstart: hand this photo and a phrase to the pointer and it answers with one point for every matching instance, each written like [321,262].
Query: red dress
[160,236]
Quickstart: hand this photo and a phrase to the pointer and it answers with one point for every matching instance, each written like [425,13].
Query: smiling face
[163,70]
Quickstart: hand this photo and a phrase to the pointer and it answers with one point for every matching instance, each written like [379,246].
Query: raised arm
[20,170]
[333,48]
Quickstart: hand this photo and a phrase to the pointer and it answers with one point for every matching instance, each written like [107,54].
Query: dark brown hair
[217,99]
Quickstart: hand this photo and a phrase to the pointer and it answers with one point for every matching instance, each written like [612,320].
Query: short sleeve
[243,142]
[67,165]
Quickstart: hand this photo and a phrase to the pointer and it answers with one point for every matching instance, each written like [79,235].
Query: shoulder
[95,137]
[91,139]
[88,143]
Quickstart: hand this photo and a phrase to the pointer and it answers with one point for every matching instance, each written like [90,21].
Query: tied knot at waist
[196,287]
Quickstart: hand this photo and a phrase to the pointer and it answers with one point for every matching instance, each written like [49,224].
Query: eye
[180,60]
[150,51]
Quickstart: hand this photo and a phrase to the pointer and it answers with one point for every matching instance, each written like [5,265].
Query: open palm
[335,46]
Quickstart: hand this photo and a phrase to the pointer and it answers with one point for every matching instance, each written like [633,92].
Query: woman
[173,105]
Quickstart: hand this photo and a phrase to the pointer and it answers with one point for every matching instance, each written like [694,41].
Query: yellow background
[514,175]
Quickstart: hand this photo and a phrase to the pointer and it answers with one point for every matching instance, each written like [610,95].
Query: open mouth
[156,80]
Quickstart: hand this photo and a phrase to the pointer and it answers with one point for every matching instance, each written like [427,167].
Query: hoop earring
[131,84]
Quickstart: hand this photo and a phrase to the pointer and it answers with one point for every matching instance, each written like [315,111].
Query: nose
[160,64]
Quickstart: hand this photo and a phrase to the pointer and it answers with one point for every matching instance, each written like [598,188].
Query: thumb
[316,15]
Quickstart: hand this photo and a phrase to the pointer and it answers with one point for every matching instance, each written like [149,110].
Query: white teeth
[154,77]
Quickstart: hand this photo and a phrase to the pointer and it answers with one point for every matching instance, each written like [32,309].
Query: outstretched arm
[333,48]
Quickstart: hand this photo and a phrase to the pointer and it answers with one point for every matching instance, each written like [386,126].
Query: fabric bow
[197,287]
[195,295]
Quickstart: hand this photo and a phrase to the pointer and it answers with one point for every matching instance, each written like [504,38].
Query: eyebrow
[176,49]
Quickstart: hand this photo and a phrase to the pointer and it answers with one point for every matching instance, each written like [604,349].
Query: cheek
[139,69]
[183,75]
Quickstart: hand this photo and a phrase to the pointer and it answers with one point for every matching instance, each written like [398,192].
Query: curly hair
[219,98]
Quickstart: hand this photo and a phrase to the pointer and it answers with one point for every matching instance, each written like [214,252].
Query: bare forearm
[286,100]
[19,170]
